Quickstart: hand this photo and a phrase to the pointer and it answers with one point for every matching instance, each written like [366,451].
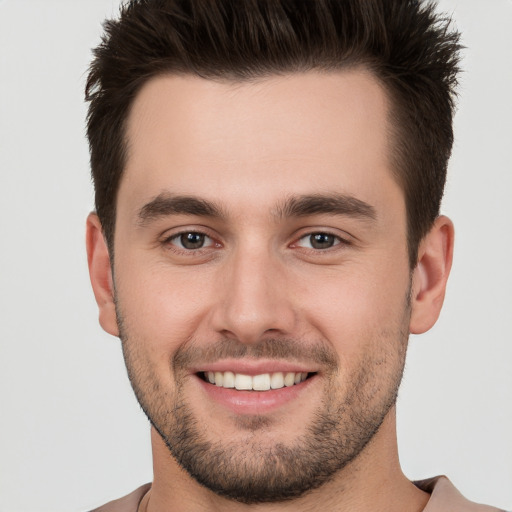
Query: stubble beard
[257,472]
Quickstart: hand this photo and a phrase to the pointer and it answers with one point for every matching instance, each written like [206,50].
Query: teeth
[277,380]
[219,378]
[241,381]
[289,379]
[262,382]
[229,380]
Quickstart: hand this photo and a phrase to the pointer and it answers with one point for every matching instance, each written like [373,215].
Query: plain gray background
[71,434]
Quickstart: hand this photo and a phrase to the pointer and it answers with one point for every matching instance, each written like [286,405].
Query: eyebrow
[332,204]
[166,204]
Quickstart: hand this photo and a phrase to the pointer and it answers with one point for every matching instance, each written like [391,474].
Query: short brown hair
[404,43]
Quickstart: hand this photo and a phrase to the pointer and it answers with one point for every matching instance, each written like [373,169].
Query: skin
[248,148]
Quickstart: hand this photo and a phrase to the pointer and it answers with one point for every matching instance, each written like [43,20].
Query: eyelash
[168,242]
[338,241]
[183,250]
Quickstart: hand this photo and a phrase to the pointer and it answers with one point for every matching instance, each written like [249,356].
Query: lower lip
[255,402]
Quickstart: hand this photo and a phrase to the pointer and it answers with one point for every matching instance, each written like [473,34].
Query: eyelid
[186,228]
[177,236]
[338,240]
[168,237]
[342,238]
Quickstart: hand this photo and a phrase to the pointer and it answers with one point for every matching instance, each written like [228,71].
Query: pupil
[322,240]
[192,240]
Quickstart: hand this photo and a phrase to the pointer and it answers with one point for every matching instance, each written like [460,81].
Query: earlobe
[430,276]
[100,273]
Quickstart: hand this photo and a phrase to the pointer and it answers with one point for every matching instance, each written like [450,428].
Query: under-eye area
[262,382]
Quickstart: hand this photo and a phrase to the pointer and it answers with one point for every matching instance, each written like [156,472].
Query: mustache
[190,355]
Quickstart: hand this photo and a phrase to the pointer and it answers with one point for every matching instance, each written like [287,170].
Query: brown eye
[319,241]
[191,240]
[322,240]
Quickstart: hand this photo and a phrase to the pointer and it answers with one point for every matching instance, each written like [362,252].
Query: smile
[261,382]
[257,386]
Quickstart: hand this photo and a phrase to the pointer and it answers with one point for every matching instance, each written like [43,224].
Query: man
[268,179]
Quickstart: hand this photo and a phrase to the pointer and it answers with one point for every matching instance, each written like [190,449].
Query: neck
[373,481]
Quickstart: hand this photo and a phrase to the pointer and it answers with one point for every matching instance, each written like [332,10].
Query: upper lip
[255,367]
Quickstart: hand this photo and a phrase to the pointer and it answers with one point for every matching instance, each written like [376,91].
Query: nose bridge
[254,298]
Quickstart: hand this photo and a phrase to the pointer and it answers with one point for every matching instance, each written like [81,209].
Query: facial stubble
[260,470]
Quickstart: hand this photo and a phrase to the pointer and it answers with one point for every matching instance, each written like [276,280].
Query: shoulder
[446,498]
[129,503]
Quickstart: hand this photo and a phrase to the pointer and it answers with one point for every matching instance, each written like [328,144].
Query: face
[261,276]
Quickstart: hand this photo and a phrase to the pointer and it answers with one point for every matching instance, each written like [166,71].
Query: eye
[191,240]
[319,241]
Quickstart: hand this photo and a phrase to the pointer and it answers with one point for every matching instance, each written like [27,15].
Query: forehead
[293,134]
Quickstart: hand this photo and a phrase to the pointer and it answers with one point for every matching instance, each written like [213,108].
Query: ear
[430,276]
[100,272]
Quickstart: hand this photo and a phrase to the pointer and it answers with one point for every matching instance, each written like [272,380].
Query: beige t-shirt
[444,498]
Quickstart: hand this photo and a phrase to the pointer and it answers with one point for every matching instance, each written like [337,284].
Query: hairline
[393,128]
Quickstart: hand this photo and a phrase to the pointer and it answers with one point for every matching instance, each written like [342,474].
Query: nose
[254,299]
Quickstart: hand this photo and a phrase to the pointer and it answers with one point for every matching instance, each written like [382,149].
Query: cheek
[161,306]
[357,306]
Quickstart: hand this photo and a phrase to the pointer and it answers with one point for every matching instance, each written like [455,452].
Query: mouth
[260,382]
[248,387]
